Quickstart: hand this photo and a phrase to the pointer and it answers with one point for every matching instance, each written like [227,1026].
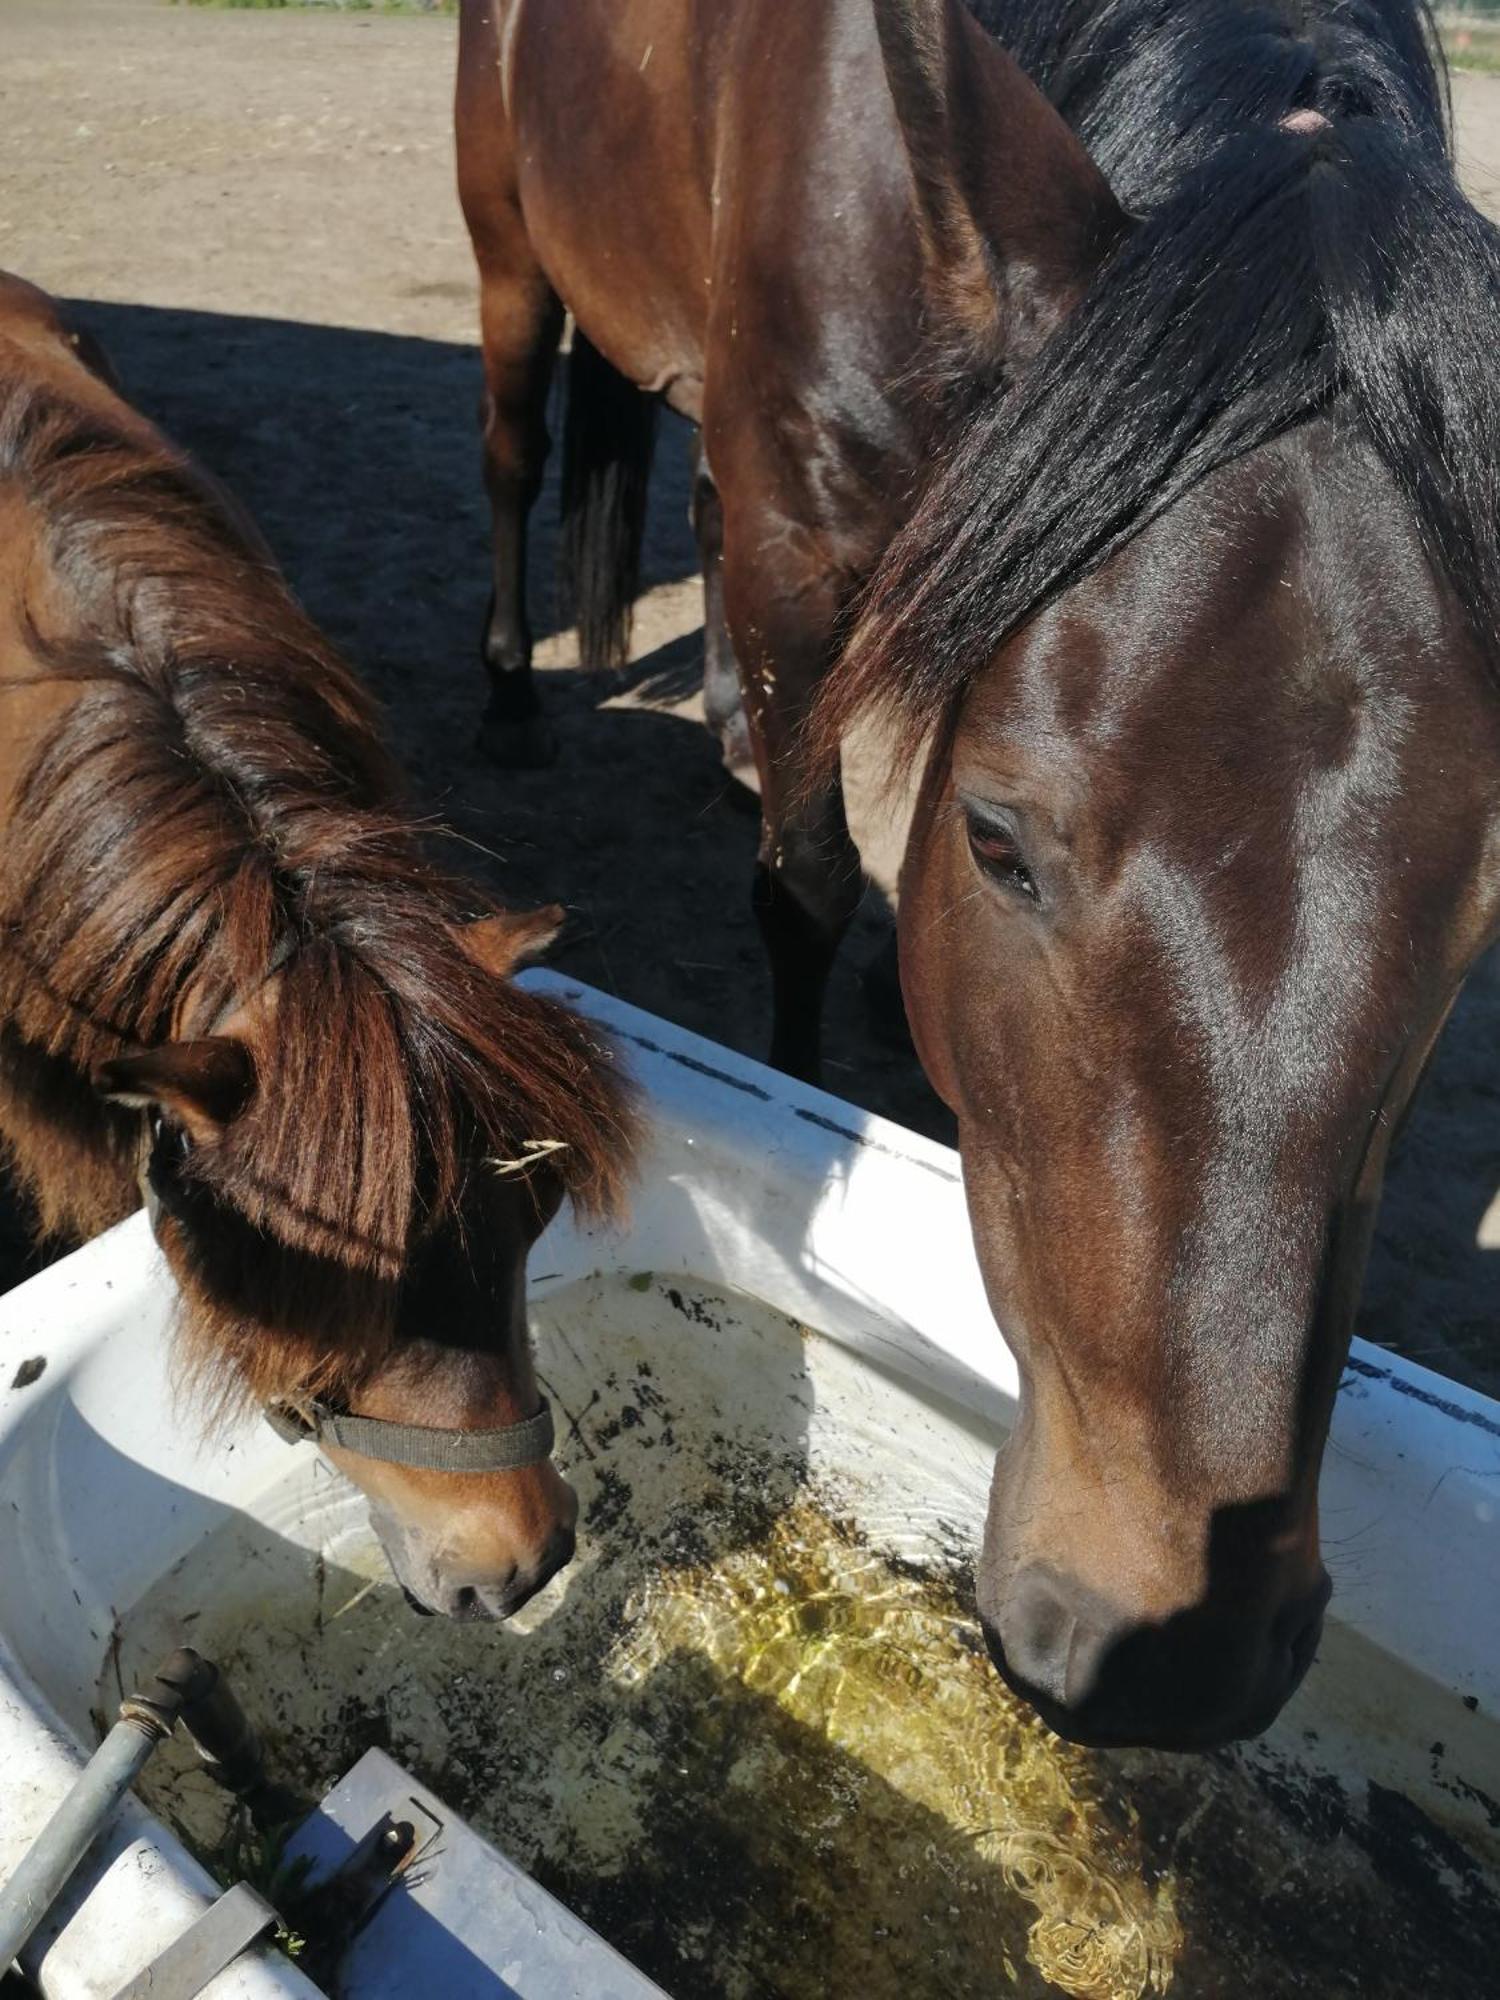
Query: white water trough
[796,1291]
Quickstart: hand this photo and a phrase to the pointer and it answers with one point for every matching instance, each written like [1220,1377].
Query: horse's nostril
[1047,1643]
[467,1604]
[1299,1627]
[422,1610]
[1189,1681]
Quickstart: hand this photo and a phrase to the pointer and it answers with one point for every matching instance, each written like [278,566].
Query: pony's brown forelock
[214,805]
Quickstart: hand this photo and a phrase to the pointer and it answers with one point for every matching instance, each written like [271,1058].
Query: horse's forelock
[363,1142]
[390,1071]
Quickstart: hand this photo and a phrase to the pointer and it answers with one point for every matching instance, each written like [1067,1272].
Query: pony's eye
[170,1146]
[998,853]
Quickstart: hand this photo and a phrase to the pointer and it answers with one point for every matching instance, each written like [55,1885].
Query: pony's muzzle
[499,1598]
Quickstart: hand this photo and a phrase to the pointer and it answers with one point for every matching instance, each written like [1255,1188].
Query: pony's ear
[92,355]
[505,942]
[203,1084]
[1014,215]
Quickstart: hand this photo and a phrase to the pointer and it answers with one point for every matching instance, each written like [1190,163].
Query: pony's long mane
[213,802]
[1270,275]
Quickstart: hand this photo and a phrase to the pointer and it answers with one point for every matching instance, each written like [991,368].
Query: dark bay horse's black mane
[1270,275]
[1155,87]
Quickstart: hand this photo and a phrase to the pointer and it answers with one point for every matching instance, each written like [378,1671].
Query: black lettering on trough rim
[702,1068]
[874,1145]
[766,1097]
[1420,1395]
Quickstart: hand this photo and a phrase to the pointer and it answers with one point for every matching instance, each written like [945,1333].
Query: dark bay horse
[231,979]
[1157,489]
[773,279]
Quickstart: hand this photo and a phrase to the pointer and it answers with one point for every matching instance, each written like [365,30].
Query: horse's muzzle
[1193,1682]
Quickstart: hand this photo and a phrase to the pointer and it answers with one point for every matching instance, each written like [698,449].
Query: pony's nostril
[499,1598]
[559,1552]
[422,1610]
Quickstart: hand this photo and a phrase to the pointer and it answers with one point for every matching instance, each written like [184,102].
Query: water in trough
[752,1735]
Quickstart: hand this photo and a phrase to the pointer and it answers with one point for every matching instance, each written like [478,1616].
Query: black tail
[607,441]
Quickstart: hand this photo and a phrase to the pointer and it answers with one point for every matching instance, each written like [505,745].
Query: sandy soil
[257,211]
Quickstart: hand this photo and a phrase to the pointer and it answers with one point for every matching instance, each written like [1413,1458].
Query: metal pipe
[35,1886]
[188,1688]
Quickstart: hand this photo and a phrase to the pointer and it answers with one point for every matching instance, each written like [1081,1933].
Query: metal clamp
[206,1948]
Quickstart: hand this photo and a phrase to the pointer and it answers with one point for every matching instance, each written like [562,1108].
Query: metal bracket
[333,1910]
[234,1923]
[455,1918]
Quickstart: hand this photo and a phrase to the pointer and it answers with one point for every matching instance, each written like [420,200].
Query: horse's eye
[998,852]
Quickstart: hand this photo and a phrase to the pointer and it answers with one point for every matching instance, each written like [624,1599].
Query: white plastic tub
[837,1222]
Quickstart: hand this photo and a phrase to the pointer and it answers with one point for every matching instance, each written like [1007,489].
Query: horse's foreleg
[520,321]
[723,705]
[807,888]
[808,880]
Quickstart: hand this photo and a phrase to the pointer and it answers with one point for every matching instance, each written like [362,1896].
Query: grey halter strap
[423,1449]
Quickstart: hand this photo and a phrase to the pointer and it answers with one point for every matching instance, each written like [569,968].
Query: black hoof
[529,744]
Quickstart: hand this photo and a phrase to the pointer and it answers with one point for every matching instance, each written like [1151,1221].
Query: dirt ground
[256,211]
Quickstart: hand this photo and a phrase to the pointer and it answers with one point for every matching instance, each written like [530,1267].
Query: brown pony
[230,978]
[1159,487]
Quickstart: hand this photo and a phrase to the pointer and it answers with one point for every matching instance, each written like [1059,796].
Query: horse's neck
[930,237]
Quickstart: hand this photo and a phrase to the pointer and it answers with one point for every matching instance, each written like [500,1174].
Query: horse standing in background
[1148,460]
[231,981]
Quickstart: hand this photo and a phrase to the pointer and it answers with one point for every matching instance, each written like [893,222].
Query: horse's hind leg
[723,703]
[520,322]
